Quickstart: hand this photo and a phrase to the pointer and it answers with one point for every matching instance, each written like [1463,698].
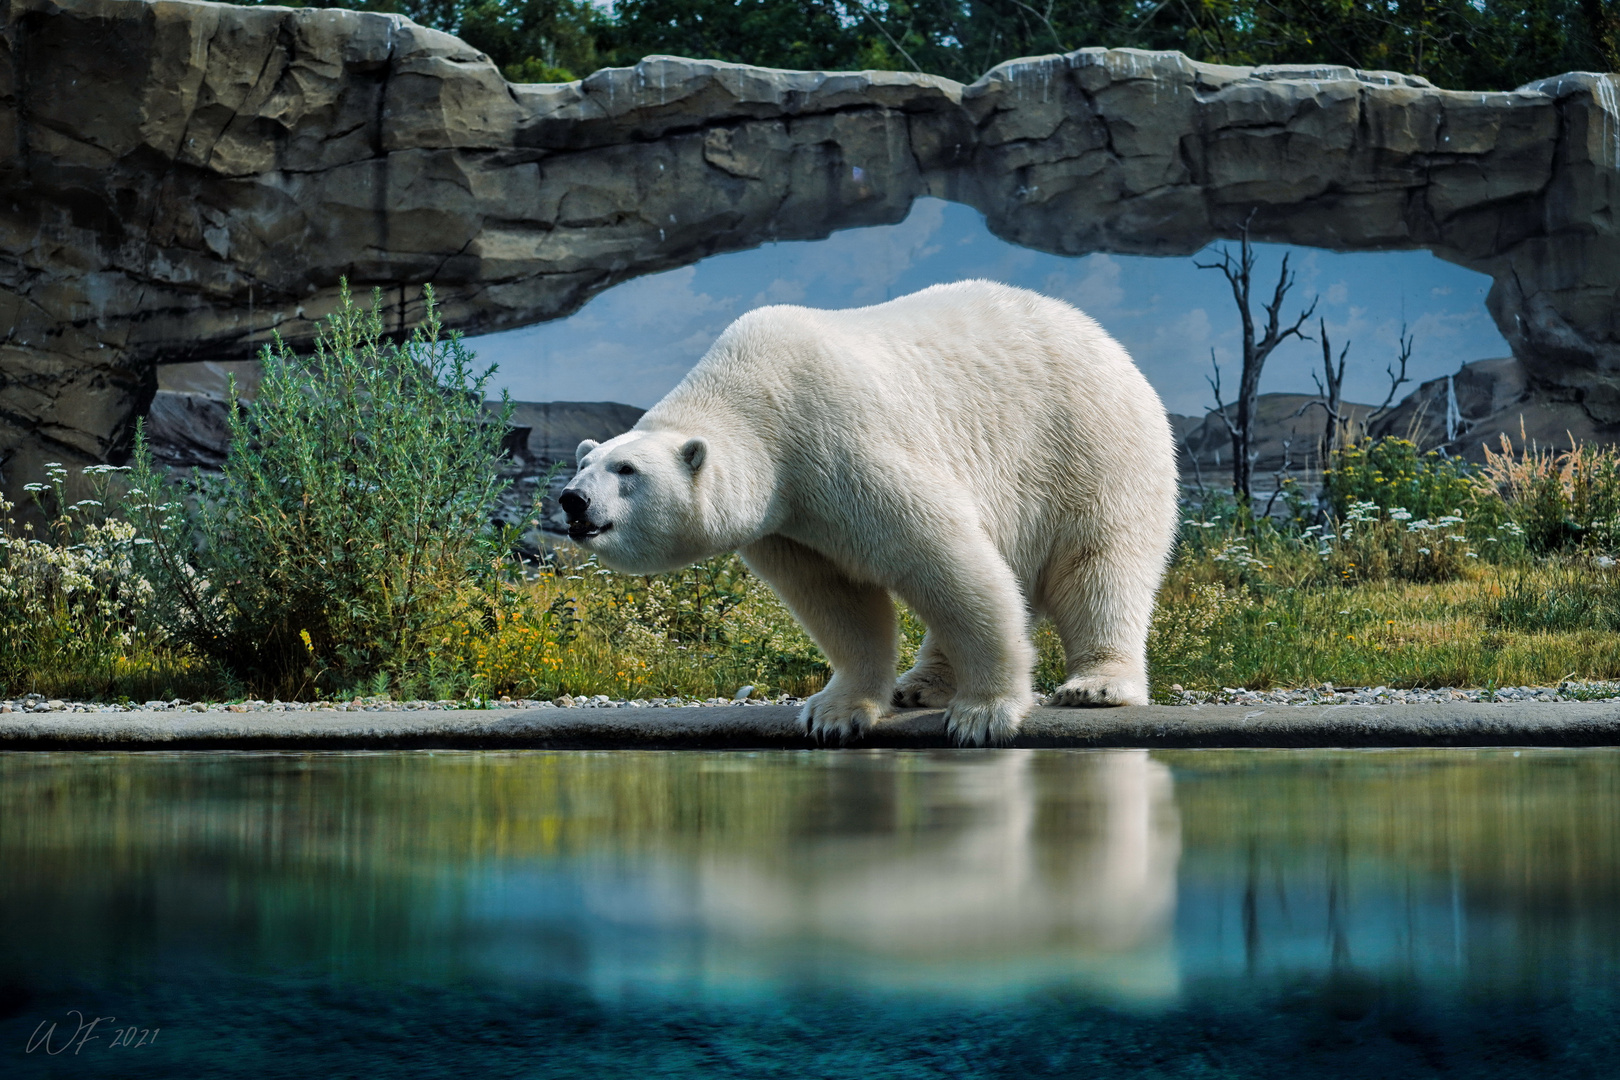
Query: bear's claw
[831,717]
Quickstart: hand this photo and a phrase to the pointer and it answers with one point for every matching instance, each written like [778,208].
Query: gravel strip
[33,703]
[1326,694]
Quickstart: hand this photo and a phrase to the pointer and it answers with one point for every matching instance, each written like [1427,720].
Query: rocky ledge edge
[276,726]
[1325,694]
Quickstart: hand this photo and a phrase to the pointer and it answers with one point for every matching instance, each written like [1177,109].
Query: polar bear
[985,453]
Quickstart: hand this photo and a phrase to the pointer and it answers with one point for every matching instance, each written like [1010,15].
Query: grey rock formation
[179,179]
[1464,413]
[1287,437]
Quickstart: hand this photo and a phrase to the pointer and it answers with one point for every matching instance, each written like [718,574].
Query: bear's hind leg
[931,682]
[852,623]
[1102,608]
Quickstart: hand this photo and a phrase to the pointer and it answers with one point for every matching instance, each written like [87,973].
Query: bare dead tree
[1329,394]
[1397,377]
[1198,472]
[1279,479]
[1330,388]
[1241,418]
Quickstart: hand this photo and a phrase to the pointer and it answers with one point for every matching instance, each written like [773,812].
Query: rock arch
[179,179]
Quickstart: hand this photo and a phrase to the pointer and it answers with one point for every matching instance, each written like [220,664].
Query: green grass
[1502,626]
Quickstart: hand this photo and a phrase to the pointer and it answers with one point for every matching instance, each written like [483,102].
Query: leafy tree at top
[1461,44]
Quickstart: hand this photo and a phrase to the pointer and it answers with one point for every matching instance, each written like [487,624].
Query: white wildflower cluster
[1362,517]
[1356,518]
[79,585]
[1322,538]
[91,586]
[1512,533]
[1424,525]
[1360,513]
[1235,552]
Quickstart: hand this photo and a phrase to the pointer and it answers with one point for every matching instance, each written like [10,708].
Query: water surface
[853,913]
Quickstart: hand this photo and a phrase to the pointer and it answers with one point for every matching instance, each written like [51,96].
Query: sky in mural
[635,341]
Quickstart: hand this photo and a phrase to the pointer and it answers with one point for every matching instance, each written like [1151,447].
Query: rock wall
[178,179]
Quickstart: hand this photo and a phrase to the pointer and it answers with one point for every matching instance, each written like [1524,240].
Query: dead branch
[1279,476]
[1396,378]
[1215,388]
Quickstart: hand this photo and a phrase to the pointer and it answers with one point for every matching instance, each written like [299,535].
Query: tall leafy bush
[349,523]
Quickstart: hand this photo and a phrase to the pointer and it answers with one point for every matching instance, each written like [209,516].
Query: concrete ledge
[776,728]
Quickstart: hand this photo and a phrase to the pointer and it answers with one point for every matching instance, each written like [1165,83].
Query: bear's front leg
[852,623]
[958,583]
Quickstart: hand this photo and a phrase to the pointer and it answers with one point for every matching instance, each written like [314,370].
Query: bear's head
[636,501]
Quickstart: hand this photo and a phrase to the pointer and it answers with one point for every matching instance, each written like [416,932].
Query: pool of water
[852,913]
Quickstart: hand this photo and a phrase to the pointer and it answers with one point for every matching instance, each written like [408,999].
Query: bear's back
[993,392]
[971,360]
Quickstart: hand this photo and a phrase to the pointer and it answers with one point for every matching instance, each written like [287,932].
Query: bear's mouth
[584,530]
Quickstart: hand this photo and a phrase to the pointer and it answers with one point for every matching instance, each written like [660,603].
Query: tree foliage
[1460,44]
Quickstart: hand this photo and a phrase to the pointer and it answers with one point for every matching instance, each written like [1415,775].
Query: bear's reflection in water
[961,873]
[953,871]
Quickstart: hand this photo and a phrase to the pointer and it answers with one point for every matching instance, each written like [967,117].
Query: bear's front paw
[834,716]
[985,723]
[928,688]
[1101,690]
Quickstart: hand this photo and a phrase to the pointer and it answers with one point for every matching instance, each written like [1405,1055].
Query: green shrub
[1391,473]
[1192,631]
[577,627]
[349,524]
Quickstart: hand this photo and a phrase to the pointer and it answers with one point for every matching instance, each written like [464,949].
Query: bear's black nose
[573,503]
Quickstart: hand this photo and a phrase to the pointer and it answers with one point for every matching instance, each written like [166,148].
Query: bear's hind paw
[1100,690]
[925,689]
[985,723]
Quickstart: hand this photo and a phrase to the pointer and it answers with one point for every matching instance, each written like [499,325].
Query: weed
[1556,501]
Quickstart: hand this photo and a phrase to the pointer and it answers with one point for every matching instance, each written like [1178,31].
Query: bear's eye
[626,470]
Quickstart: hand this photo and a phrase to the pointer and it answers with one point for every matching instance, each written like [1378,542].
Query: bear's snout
[574,504]
[580,525]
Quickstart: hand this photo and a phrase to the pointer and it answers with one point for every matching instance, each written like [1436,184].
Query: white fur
[983,452]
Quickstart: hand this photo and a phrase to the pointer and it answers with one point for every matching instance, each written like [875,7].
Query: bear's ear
[584,448]
[693,452]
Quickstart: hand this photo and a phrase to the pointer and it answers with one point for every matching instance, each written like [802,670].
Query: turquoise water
[850,913]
